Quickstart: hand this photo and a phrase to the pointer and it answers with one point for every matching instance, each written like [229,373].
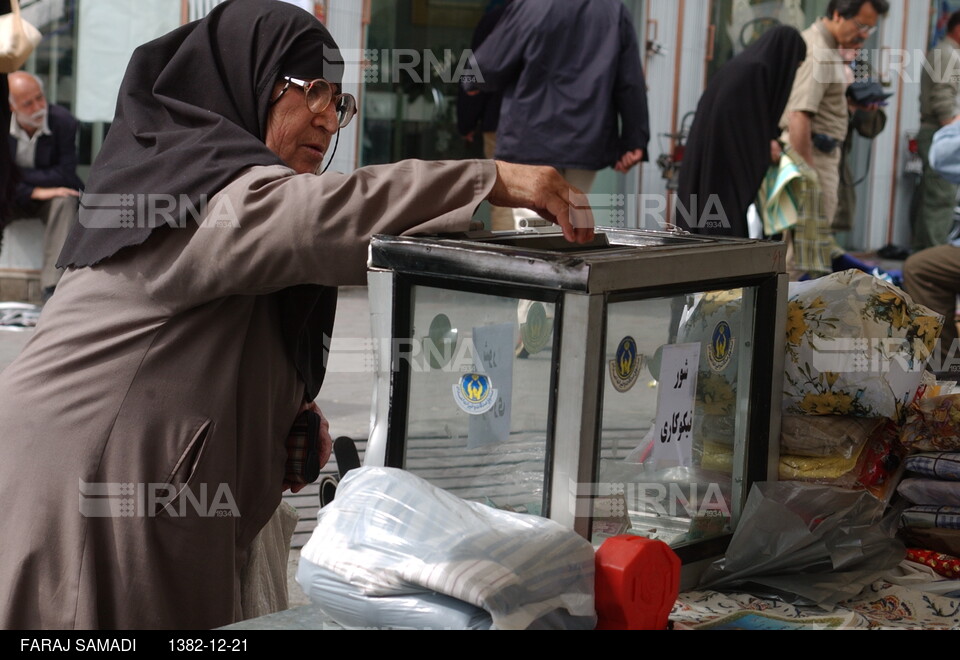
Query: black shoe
[893,253]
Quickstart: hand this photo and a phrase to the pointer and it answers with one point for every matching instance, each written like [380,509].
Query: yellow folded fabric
[817,467]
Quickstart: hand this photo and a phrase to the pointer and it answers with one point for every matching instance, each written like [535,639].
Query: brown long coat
[165,365]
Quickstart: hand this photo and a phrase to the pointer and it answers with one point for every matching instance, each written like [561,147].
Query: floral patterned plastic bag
[856,345]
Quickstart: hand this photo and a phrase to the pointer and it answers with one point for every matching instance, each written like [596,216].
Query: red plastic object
[637,583]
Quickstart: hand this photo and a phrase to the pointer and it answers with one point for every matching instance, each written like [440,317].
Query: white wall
[109,31]
[678,27]
[659,67]
[903,34]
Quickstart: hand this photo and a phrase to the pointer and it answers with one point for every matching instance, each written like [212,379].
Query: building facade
[405,56]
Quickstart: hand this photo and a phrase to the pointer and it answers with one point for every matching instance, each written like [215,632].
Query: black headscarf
[191,114]
[8,170]
[728,149]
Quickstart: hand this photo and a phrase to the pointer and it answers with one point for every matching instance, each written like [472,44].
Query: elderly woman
[167,371]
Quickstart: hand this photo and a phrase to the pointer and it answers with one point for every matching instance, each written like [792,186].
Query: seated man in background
[43,146]
[932,276]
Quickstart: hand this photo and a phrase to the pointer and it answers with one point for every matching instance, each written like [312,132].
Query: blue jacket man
[574,93]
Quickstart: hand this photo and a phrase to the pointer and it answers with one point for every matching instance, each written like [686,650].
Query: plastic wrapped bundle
[804,435]
[394,551]
[865,454]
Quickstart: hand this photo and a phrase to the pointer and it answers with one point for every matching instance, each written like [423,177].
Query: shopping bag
[18,38]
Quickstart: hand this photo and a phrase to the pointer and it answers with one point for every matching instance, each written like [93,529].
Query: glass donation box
[627,386]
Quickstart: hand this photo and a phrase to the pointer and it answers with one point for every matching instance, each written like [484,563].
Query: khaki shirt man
[816,119]
[819,93]
[940,82]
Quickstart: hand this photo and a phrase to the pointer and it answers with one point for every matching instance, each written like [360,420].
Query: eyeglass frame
[335,99]
[868,30]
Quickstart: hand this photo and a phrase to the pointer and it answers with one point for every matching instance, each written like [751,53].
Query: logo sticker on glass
[440,344]
[625,369]
[535,328]
[721,347]
[474,393]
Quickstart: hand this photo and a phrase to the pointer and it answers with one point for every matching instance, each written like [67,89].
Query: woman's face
[299,137]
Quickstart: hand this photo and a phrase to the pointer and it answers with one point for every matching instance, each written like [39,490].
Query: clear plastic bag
[394,551]
[808,544]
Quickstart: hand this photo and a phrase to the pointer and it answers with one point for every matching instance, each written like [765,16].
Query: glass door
[416,52]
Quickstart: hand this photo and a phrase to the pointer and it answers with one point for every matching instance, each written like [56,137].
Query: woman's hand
[543,190]
[326,444]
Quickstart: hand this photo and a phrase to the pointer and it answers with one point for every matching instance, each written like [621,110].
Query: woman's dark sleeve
[6,160]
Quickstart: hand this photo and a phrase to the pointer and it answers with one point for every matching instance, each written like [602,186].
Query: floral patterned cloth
[855,345]
[881,606]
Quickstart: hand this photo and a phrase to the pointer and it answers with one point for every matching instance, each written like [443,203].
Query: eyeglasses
[864,29]
[319,94]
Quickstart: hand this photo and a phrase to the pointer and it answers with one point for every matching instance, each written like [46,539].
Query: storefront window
[738,23]
[415,49]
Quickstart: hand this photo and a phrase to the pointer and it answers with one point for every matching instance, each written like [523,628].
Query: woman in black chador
[729,147]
